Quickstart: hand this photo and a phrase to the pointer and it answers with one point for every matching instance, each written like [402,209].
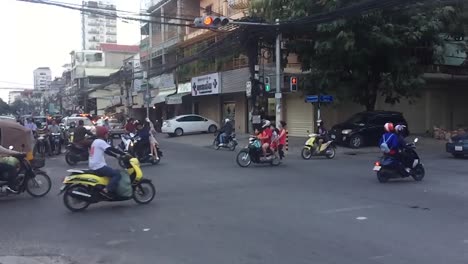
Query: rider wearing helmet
[225,132]
[403,156]
[322,134]
[265,136]
[97,161]
[389,141]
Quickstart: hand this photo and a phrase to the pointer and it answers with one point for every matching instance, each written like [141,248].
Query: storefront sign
[206,85]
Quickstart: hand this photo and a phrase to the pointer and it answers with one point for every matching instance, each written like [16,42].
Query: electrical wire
[107,14]
[183,17]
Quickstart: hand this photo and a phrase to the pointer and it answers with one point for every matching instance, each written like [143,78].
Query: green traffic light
[267,87]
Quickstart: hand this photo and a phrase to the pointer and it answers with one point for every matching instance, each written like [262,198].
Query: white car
[182,124]
[87,123]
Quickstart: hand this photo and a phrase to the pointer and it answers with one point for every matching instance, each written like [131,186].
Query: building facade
[96,28]
[13,95]
[42,78]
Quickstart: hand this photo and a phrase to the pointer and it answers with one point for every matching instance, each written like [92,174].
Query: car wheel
[212,129]
[179,132]
[356,141]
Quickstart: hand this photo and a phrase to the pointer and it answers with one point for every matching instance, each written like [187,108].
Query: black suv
[365,128]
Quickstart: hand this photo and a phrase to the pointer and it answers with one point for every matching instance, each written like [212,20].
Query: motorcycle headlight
[346,131]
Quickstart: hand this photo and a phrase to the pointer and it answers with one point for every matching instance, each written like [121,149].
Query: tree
[20,107]
[4,108]
[361,57]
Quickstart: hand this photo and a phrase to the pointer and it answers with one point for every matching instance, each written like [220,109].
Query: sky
[36,35]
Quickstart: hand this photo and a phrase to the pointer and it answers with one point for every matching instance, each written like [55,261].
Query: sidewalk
[424,144]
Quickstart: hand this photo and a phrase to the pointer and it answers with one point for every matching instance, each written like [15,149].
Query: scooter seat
[75,171]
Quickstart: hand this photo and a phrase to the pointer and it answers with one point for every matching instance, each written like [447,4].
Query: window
[198,119]
[185,119]
[209,9]
[93,57]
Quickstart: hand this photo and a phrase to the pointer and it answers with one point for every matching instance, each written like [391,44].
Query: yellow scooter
[84,187]
[312,147]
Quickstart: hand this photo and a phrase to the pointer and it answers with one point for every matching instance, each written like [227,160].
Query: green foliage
[4,108]
[380,53]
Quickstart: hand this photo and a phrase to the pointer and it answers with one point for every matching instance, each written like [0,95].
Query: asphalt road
[208,210]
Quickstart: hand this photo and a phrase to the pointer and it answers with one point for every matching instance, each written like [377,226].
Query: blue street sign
[311,99]
[315,99]
[326,98]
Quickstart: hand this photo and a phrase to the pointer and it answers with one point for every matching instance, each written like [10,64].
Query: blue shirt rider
[391,139]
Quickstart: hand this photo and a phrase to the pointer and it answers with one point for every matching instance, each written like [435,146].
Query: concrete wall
[115,60]
[209,106]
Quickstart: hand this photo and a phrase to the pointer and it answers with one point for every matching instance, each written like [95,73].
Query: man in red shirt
[130,126]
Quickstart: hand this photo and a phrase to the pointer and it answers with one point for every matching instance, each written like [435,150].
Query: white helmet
[226,120]
[400,128]
[267,124]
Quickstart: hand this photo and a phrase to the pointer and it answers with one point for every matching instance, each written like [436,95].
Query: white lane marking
[360,218]
[146,229]
[380,257]
[347,209]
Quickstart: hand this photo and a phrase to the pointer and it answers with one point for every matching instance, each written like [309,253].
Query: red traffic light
[294,80]
[208,21]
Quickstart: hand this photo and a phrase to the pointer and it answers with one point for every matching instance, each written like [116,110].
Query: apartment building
[97,28]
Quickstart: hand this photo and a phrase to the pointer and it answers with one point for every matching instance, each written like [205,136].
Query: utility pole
[215,22]
[278,94]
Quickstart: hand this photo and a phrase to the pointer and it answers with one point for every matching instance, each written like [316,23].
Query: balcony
[93,40]
[111,33]
[93,31]
[111,41]
[112,25]
[94,23]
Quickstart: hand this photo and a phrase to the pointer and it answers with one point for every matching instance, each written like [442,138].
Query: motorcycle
[311,148]
[390,167]
[30,178]
[41,146]
[127,146]
[253,153]
[76,153]
[126,141]
[231,145]
[56,143]
[83,187]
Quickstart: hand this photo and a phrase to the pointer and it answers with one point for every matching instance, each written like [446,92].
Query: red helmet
[101,131]
[389,127]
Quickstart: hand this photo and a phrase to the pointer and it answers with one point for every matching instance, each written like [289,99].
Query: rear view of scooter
[389,167]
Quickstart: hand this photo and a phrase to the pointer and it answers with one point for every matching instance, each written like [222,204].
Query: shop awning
[175,99]
[161,97]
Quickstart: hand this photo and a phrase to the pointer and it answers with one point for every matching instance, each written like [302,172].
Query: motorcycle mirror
[10,147]
[416,140]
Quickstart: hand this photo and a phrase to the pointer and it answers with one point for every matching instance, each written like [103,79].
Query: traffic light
[267,84]
[293,84]
[210,22]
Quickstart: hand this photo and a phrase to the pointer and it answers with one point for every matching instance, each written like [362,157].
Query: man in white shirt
[98,163]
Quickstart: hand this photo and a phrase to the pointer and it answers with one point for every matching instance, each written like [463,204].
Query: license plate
[63,187]
[333,136]
[377,168]
[458,148]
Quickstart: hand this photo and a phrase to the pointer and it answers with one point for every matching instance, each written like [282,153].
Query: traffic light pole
[210,22]
[278,94]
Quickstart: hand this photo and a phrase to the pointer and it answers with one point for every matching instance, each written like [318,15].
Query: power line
[187,18]
[8,82]
[106,13]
